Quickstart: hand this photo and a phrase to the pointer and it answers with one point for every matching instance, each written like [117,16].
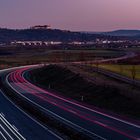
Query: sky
[74,15]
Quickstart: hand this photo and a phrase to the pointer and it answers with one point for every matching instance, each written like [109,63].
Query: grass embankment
[126,70]
[72,85]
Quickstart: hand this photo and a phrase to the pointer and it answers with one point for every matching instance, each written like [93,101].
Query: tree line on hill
[8,35]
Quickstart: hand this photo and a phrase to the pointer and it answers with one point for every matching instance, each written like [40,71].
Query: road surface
[17,125]
[91,121]
[126,56]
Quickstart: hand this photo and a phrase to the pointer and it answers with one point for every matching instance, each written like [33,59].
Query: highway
[15,124]
[93,122]
[126,56]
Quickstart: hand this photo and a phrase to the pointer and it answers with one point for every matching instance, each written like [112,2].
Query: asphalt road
[17,125]
[126,56]
[91,121]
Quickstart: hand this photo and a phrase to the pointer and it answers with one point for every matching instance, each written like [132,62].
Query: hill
[129,33]
[8,35]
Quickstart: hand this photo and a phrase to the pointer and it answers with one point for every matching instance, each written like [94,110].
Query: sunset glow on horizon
[75,15]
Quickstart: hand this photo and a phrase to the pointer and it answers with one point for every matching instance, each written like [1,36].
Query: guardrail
[117,76]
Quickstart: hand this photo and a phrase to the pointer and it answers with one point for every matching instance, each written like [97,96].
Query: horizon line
[25,28]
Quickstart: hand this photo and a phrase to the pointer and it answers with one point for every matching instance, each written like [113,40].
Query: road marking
[6,132]
[15,127]
[3,135]
[44,127]
[11,128]
[2,114]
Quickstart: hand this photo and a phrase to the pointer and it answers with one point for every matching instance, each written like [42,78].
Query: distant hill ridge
[7,35]
[123,33]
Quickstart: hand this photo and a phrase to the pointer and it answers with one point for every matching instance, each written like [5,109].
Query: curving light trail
[110,126]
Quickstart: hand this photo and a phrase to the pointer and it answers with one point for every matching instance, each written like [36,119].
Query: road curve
[91,121]
[126,56]
[15,124]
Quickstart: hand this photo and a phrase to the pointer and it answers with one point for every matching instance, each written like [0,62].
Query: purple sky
[77,15]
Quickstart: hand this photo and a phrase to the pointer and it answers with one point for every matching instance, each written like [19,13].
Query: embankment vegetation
[67,83]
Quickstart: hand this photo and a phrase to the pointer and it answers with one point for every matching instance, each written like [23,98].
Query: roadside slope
[69,84]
